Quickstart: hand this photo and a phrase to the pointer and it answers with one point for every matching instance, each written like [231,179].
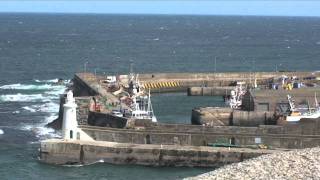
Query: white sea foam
[49,107]
[45,102]
[1,131]
[23,98]
[16,112]
[56,91]
[40,129]
[27,87]
[51,92]
[49,85]
[47,81]
[29,108]
[80,165]
[50,81]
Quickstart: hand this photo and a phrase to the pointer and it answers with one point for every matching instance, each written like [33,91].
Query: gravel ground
[295,164]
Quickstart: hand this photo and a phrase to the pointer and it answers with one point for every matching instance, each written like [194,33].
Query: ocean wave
[16,112]
[45,87]
[80,165]
[51,81]
[45,102]
[45,97]
[56,91]
[49,107]
[24,98]
[49,85]
[27,87]
[47,81]
[40,129]
[1,131]
[30,108]
[69,34]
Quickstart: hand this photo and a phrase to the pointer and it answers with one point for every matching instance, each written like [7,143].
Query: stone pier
[64,152]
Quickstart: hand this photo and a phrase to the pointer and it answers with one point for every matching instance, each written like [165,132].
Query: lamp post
[250,71]
[215,64]
[277,67]
[95,71]
[85,66]
[85,69]
[95,75]
[254,73]
[215,67]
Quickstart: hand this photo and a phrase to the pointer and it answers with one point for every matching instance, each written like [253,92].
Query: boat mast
[309,109]
[291,103]
[149,103]
[316,100]
[131,75]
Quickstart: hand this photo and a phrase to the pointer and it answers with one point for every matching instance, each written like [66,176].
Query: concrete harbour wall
[76,152]
[209,91]
[215,116]
[272,136]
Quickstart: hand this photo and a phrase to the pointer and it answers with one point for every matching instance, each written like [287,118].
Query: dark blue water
[35,49]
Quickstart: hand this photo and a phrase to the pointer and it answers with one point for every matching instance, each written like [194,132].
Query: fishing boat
[142,108]
[296,114]
[236,95]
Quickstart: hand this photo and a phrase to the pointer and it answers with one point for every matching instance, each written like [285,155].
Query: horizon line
[156,14]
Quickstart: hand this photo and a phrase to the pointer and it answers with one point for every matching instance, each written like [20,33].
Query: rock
[295,164]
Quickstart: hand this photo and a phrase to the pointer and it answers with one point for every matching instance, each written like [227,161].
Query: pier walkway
[92,82]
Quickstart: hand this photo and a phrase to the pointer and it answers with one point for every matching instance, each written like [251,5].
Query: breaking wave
[31,87]
[47,81]
[80,165]
[30,109]
[51,91]
[1,132]
[16,112]
[27,87]
[40,129]
[49,107]
[51,81]
[43,98]
[23,98]
[56,91]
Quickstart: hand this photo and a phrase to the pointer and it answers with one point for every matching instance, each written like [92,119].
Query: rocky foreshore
[295,164]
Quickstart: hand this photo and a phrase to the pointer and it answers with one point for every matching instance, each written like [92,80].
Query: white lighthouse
[69,124]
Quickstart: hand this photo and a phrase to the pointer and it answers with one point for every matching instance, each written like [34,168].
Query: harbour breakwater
[173,82]
[209,91]
[215,116]
[87,85]
[168,144]
[275,137]
[80,152]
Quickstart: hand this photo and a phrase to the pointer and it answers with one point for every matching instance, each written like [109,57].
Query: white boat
[117,113]
[142,108]
[296,114]
[236,96]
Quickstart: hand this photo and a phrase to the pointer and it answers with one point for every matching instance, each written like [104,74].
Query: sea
[38,49]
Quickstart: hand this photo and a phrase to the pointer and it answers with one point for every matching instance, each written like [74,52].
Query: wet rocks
[295,164]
